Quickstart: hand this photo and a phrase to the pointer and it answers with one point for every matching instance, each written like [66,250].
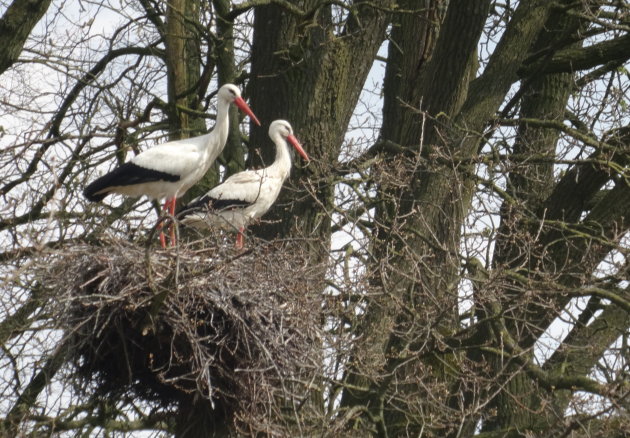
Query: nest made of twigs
[237,328]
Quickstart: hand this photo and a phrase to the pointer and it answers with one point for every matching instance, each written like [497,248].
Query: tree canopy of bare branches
[453,261]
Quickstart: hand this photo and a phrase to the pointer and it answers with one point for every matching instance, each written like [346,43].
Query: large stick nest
[240,329]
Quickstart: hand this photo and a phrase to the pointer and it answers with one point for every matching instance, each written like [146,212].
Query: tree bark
[197,418]
[529,185]
[16,25]
[310,72]
[234,153]
[397,324]
[584,346]
[183,65]
[413,38]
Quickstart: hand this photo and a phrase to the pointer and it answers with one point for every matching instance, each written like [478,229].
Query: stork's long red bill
[240,103]
[298,147]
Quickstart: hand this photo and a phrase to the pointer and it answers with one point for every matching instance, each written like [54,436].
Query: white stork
[167,170]
[246,195]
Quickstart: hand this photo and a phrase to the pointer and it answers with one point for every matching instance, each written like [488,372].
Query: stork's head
[284,129]
[231,93]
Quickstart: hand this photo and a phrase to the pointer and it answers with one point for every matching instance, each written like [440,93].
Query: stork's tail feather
[126,175]
[208,203]
[196,205]
[94,191]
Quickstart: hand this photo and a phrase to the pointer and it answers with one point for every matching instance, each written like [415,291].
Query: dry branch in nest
[203,320]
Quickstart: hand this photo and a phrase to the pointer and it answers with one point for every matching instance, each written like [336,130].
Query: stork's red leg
[240,238]
[167,208]
[172,225]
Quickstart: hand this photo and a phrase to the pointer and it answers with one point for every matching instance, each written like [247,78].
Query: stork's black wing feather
[208,203]
[126,175]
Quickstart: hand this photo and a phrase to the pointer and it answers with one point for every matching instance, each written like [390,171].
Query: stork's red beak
[298,147]
[240,103]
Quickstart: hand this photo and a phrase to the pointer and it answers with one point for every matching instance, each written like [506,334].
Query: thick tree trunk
[417,238]
[183,67]
[222,53]
[233,154]
[413,38]
[197,418]
[310,71]
[519,404]
[306,70]
[424,269]
[16,25]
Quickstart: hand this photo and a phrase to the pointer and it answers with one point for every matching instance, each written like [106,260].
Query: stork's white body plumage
[187,160]
[246,195]
[168,170]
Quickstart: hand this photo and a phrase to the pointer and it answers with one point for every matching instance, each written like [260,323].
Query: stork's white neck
[282,163]
[213,142]
[222,125]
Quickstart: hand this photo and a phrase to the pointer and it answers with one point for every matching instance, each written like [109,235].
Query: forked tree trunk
[420,282]
[309,72]
[419,223]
